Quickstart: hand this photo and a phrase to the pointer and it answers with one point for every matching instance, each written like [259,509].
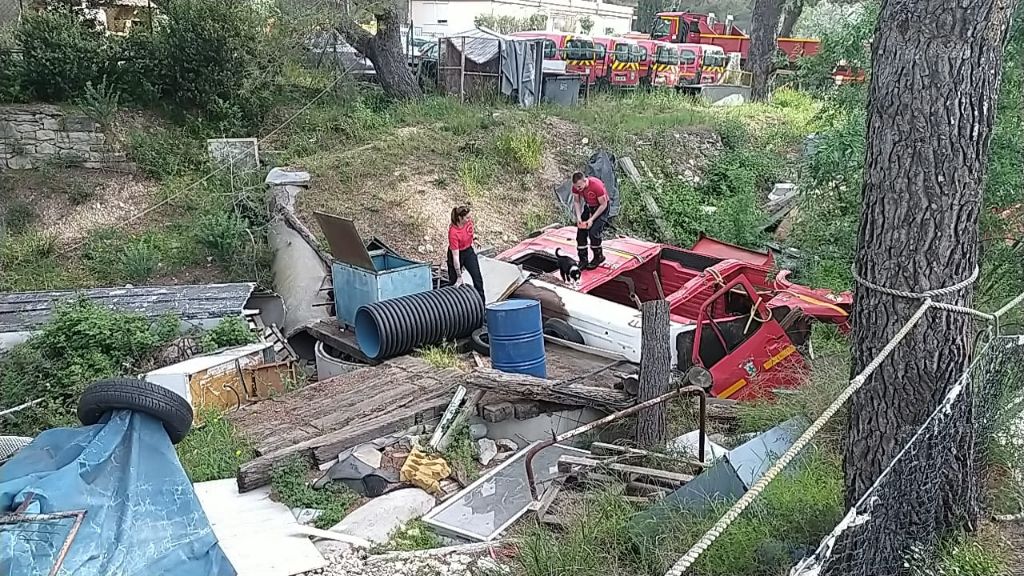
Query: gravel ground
[354,563]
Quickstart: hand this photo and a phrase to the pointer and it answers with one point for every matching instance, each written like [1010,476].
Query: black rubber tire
[561,329]
[480,342]
[173,411]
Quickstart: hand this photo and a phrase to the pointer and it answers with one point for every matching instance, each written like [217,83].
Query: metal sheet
[753,458]
[26,311]
[485,508]
[344,241]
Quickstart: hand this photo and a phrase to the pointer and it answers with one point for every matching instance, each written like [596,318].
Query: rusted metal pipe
[688,390]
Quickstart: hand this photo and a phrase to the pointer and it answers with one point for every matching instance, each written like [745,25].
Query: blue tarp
[141,515]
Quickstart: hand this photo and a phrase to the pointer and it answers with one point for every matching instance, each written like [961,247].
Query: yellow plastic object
[424,471]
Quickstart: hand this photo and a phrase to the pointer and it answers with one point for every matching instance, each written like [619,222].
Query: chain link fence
[895,526]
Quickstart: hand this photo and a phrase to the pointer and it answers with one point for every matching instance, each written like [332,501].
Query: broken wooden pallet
[631,473]
[571,394]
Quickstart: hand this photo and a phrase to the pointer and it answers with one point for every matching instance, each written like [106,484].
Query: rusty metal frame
[702,397]
[19,517]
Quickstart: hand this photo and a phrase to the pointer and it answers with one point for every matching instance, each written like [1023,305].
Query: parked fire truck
[659,64]
[576,51]
[620,65]
[688,27]
[700,64]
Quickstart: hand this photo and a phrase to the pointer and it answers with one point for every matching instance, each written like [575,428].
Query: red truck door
[748,354]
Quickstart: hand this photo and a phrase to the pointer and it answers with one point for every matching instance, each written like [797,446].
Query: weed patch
[19,216]
[231,331]
[415,535]
[213,450]
[519,150]
[441,356]
[461,454]
[291,487]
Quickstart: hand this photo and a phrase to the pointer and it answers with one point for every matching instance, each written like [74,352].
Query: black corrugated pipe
[397,326]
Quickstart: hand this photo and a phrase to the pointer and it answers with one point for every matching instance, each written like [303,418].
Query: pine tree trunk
[655,372]
[793,12]
[932,102]
[384,49]
[762,46]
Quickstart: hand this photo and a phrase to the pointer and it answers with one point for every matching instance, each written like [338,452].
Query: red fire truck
[688,27]
[620,65]
[576,51]
[659,64]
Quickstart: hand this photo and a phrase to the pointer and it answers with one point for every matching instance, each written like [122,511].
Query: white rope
[688,559]
[917,295]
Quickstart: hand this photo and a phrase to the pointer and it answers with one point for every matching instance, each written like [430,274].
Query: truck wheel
[173,411]
[561,329]
[480,342]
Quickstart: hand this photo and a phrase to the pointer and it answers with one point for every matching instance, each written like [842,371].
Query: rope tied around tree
[917,295]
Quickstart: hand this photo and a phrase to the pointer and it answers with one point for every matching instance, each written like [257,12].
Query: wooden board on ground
[649,475]
[571,394]
[330,333]
[564,363]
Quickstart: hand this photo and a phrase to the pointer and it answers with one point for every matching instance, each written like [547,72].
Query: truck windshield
[622,53]
[667,56]
[579,50]
[661,27]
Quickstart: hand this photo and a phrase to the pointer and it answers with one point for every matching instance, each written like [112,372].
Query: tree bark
[794,9]
[932,102]
[655,372]
[384,49]
[762,46]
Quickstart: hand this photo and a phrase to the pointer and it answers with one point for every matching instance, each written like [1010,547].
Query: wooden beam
[650,204]
[639,471]
[572,394]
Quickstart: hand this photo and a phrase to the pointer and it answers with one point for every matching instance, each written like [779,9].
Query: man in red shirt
[590,206]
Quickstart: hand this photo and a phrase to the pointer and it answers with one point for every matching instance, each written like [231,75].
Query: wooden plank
[652,473]
[523,386]
[650,204]
[602,449]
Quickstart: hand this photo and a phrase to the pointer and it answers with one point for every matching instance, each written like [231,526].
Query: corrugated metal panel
[26,311]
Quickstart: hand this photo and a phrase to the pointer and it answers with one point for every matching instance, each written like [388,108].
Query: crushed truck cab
[731,313]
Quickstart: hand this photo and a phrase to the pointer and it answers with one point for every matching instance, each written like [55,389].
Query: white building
[443,17]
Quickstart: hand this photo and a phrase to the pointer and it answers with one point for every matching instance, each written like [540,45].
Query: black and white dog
[568,268]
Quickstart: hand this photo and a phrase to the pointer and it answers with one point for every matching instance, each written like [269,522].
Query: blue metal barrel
[515,333]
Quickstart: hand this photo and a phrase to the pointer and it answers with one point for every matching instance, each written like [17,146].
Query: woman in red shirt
[461,255]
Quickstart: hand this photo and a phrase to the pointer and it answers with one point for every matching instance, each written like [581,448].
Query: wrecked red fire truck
[732,312]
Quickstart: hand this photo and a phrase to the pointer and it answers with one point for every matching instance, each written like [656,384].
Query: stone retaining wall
[35,134]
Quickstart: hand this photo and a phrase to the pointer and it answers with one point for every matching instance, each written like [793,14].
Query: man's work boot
[598,258]
[584,259]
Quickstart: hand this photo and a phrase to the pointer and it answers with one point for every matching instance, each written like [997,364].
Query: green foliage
[291,487]
[217,59]
[139,261]
[509,24]
[440,356]
[100,102]
[59,55]
[969,557]
[164,153]
[11,89]
[222,234]
[19,216]
[849,42]
[793,513]
[231,331]
[461,453]
[475,173]
[519,150]
[213,450]
[415,535]
[82,343]
[29,262]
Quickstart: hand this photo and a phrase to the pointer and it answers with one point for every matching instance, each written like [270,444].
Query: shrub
[83,342]
[222,234]
[213,451]
[164,153]
[228,332]
[138,261]
[520,150]
[216,60]
[291,487]
[100,102]
[60,56]
[10,70]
